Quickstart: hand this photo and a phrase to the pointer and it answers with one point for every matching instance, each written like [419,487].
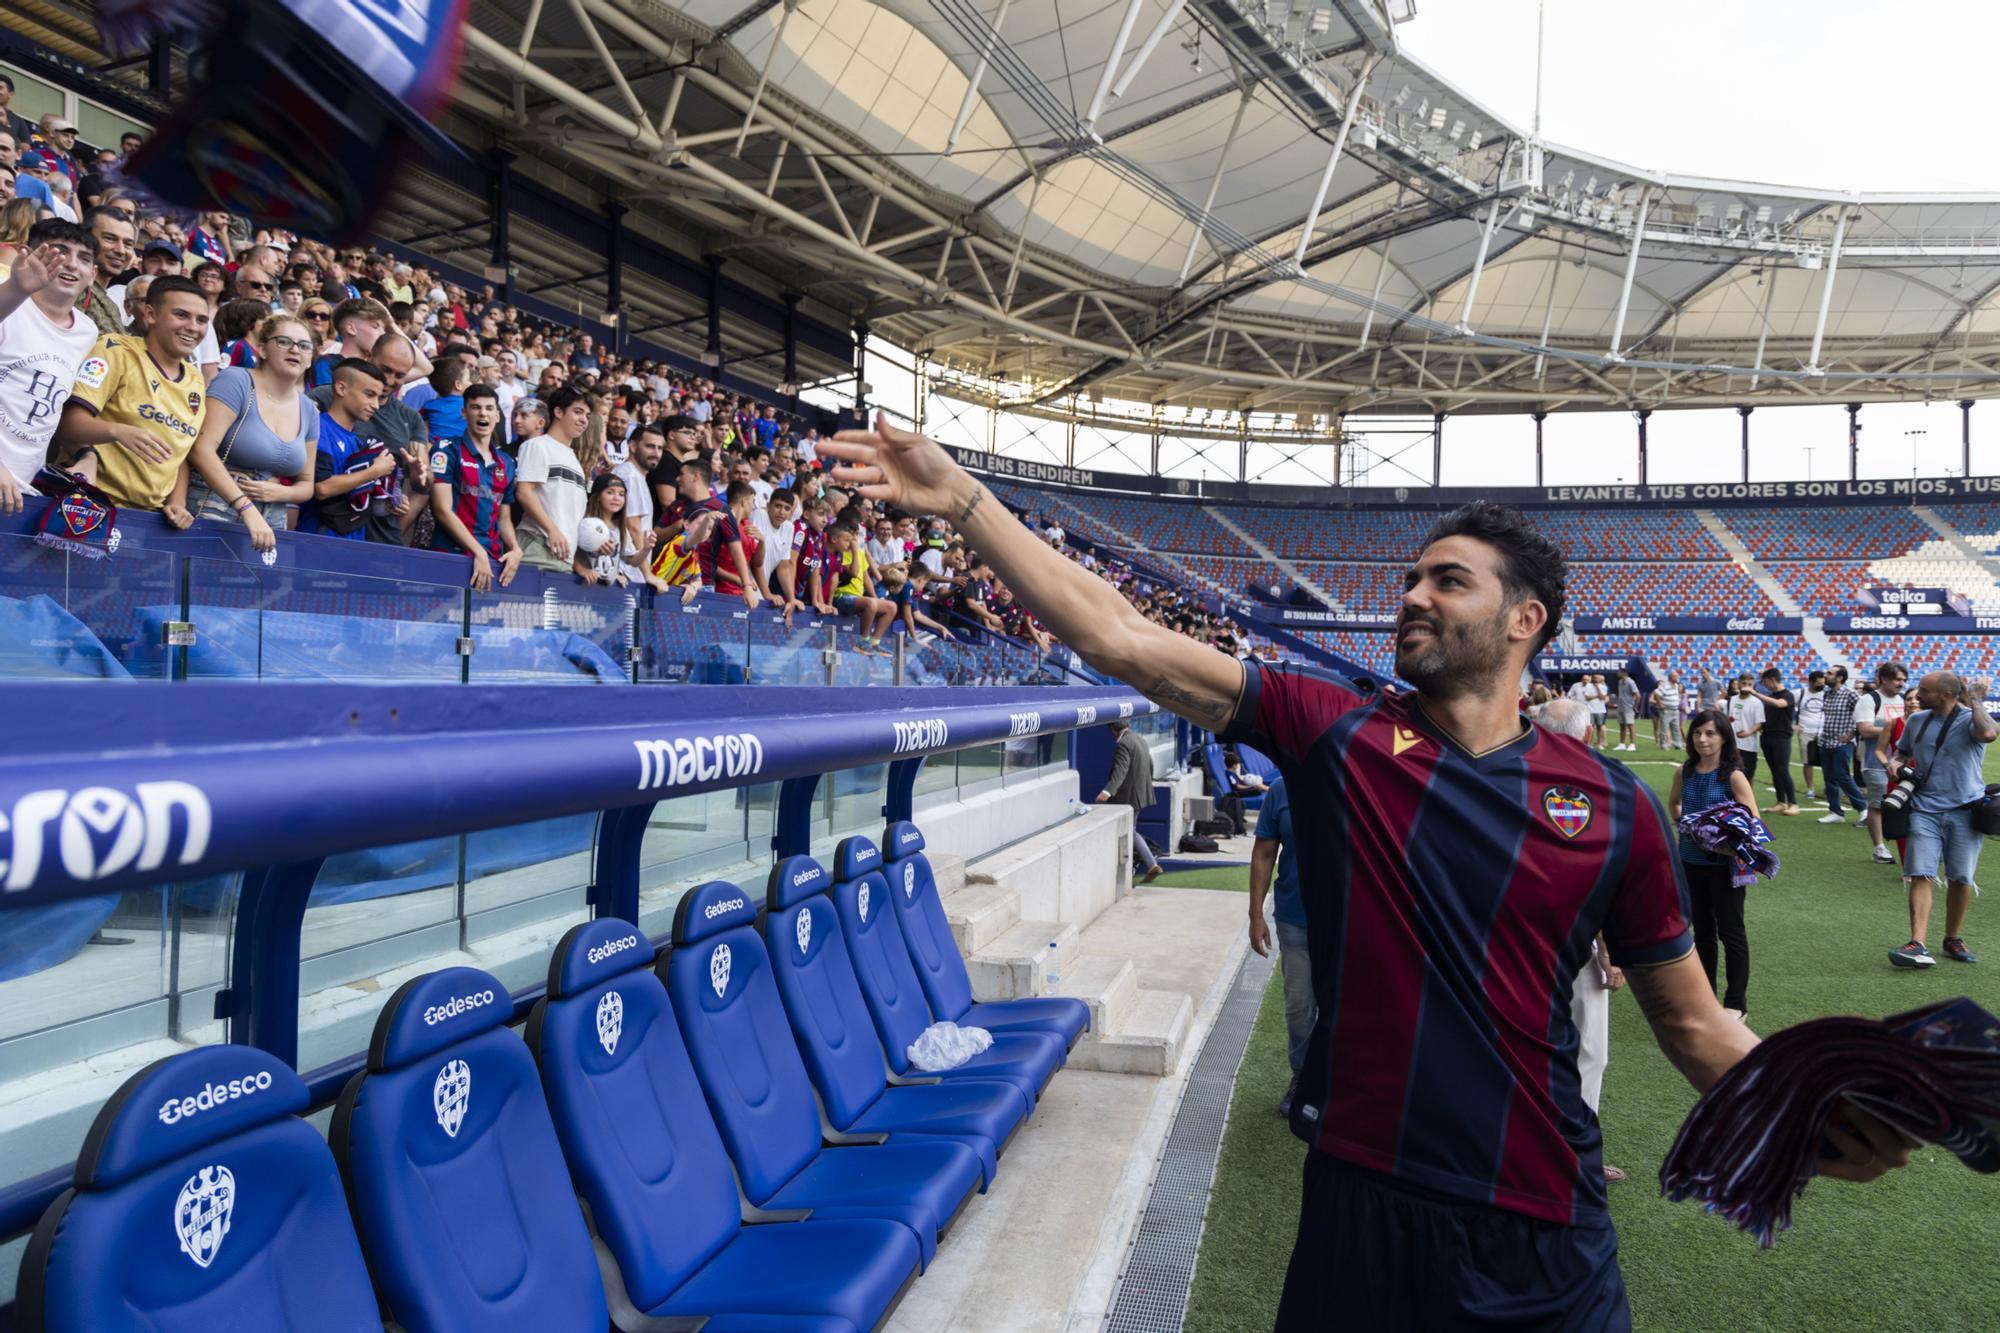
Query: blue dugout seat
[837,1039]
[654,1177]
[895,998]
[726,1002]
[940,968]
[1218,773]
[457,1185]
[201,1203]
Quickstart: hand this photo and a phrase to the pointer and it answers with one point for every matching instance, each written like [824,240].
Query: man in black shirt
[1780,714]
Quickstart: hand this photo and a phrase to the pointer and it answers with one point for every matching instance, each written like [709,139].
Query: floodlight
[1763,214]
[1424,109]
[1473,143]
[1733,214]
[1402,96]
[1569,178]
[1590,187]
[1322,21]
[1438,118]
[1457,131]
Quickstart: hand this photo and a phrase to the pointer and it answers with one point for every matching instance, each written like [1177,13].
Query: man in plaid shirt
[1836,747]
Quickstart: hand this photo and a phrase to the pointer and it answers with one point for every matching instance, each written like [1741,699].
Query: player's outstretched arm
[1082,610]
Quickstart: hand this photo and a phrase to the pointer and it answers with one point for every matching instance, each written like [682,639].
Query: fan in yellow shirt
[138,404]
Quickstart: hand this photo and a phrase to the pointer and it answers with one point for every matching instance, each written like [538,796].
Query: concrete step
[980,914]
[1071,872]
[1110,986]
[1019,962]
[1148,1041]
[947,870]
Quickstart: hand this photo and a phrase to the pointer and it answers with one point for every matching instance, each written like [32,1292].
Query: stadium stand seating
[1971,655]
[449,1154]
[939,966]
[837,1039]
[1978,520]
[222,1208]
[654,1177]
[895,997]
[726,1001]
[1859,532]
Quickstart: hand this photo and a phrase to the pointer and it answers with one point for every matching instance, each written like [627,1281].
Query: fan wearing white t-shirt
[649,443]
[552,488]
[43,342]
[777,535]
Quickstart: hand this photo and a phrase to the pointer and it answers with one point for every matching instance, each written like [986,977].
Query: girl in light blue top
[254,455]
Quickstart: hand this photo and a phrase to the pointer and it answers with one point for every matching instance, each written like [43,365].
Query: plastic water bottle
[1054,976]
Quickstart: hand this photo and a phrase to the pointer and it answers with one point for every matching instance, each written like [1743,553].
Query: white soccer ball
[593,536]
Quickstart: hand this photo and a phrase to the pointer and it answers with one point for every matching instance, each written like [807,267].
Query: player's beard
[1457,659]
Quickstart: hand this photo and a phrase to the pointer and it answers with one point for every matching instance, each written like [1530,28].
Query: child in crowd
[854,590]
[677,561]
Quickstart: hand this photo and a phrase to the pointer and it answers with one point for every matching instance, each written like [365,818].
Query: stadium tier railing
[263,795]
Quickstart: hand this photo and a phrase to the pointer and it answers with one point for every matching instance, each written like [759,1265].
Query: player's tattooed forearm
[1652,997]
[965,514]
[1203,708]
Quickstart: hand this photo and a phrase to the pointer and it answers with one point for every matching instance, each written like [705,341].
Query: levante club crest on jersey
[1568,809]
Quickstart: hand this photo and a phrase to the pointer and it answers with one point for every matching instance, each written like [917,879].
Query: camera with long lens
[1898,797]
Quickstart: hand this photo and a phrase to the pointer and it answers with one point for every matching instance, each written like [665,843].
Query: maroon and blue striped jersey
[478,490]
[1451,899]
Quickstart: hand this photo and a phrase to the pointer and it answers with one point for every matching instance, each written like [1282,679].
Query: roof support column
[1764,324]
[1826,290]
[500,209]
[1744,413]
[1125,26]
[1333,160]
[1215,181]
[861,371]
[1965,437]
[1853,438]
[1631,272]
[1437,448]
[712,351]
[614,275]
[1548,318]
[978,73]
[1540,417]
[790,387]
[1642,416]
[1375,297]
[1479,264]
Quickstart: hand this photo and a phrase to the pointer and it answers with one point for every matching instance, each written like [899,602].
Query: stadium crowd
[211,372]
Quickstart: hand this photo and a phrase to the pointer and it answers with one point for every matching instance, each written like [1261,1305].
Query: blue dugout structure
[105,789]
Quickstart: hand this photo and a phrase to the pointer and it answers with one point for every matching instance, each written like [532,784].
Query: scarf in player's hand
[1750,1146]
[1729,829]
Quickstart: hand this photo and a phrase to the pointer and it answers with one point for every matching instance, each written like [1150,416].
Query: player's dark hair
[1530,566]
[1728,761]
[473,391]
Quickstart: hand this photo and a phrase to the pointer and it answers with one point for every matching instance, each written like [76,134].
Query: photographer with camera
[1943,793]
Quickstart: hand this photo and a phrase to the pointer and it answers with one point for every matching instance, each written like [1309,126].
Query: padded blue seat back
[201,1202]
[458,1187]
[920,912]
[729,1012]
[875,941]
[836,1036]
[633,1124]
[1217,764]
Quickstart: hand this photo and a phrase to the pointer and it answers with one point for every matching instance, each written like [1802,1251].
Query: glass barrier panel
[854,799]
[1022,757]
[792,654]
[506,868]
[862,666]
[65,615]
[279,623]
[939,774]
[701,642]
[548,638]
[980,764]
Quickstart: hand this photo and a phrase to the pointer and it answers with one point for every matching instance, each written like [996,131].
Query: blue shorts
[1375,1253]
[843,604]
[1946,838]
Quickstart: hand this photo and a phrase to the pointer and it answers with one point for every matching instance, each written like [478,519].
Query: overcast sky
[1834,93]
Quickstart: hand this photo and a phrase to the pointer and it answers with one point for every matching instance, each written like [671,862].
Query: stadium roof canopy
[1220,204]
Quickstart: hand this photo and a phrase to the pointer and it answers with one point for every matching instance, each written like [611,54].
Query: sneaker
[1285,1102]
[1612,1175]
[1954,949]
[1811,795]
[1831,818]
[1912,954]
[1884,857]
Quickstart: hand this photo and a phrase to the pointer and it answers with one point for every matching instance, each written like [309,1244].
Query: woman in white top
[254,455]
